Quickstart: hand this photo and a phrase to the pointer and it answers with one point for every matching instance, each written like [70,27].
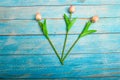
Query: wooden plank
[55,2]
[48,66]
[27,54]
[26,27]
[102,43]
[58,11]
[71,78]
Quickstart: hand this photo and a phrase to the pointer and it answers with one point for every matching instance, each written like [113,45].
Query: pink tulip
[94,19]
[72,9]
[38,16]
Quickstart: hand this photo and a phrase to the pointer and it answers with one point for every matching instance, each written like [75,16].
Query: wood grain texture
[100,43]
[58,11]
[57,26]
[55,2]
[26,54]
[33,66]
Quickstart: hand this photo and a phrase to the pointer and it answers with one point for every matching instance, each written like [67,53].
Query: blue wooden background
[25,52]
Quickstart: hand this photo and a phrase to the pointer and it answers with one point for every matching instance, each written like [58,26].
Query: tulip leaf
[87,26]
[87,32]
[71,23]
[41,25]
[67,21]
[45,28]
[66,18]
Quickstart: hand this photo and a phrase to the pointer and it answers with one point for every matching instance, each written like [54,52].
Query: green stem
[65,39]
[85,28]
[70,49]
[54,50]
[70,16]
[64,45]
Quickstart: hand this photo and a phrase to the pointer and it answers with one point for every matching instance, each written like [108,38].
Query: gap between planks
[64,5]
[54,54]
[65,78]
[59,18]
[54,34]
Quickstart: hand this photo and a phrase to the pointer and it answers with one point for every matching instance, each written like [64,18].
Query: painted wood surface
[57,26]
[81,11]
[39,45]
[26,54]
[83,65]
[56,2]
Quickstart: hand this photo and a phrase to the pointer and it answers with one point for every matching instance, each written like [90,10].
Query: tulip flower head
[38,16]
[72,9]
[94,19]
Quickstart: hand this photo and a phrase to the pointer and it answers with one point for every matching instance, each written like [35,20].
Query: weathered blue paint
[96,43]
[55,2]
[57,26]
[58,11]
[46,66]
[25,52]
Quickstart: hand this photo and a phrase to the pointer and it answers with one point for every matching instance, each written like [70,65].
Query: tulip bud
[38,16]
[72,9]
[94,19]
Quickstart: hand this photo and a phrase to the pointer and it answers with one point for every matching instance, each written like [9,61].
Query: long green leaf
[66,18]
[87,26]
[41,25]
[88,32]
[67,21]
[45,28]
[71,23]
